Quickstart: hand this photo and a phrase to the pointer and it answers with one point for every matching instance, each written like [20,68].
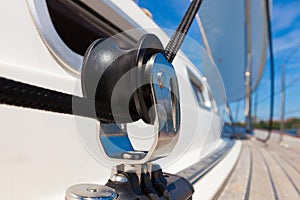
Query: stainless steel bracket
[114,140]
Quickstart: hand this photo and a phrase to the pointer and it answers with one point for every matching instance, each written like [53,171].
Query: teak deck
[265,171]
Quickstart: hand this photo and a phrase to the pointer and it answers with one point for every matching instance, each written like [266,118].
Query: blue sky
[286,42]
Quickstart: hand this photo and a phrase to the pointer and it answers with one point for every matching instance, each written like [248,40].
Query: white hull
[41,153]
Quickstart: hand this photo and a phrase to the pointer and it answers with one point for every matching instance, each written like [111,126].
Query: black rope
[29,96]
[272,67]
[178,37]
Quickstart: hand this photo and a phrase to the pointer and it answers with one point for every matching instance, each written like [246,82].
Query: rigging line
[207,47]
[268,80]
[291,54]
[29,96]
[285,62]
[203,35]
[256,102]
[293,111]
[272,78]
[295,80]
[291,83]
[268,97]
[176,40]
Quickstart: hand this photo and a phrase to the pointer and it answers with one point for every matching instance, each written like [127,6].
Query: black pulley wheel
[105,63]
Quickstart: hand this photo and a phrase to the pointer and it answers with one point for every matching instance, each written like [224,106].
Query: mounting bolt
[119,178]
[90,192]
[161,79]
[133,155]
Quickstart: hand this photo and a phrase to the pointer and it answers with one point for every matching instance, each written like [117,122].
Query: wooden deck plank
[290,148]
[290,172]
[291,163]
[288,167]
[261,185]
[238,181]
[274,172]
[284,187]
[290,155]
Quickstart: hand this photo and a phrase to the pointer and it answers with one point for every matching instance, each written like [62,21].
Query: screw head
[92,189]
[90,192]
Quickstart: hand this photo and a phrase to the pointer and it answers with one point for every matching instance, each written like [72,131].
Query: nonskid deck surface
[265,171]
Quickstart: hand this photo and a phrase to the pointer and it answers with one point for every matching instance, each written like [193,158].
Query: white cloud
[285,14]
[287,41]
[286,26]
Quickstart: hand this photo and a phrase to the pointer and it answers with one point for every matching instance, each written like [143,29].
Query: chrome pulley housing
[135,84]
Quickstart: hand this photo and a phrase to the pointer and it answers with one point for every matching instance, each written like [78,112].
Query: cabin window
[201,92]
[69,27]
[69,21]
[78,25]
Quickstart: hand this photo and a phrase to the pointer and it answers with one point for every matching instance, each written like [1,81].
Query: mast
[248,68]
[282,99]
[256,104]
[282,93]
[237,110]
